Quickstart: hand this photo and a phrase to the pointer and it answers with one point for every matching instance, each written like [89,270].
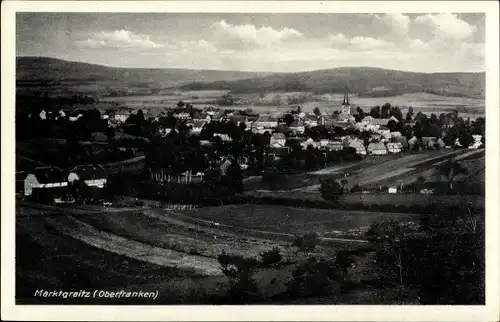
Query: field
[293,220]
[277,102]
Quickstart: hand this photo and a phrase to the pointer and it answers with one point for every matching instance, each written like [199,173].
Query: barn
[377,148]
[46,178]
[92,175]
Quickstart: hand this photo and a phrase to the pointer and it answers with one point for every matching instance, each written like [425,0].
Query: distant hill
[50,70]
[366,81]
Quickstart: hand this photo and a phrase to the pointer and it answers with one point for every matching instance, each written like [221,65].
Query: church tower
[346,107]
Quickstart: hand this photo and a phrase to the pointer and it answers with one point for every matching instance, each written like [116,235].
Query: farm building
[394,147]
[182,115]
[266,122]
[307,143]
[278,140]
[163,176]
[90,175]
[46,178]
[122,116]
[395,134]
[393,190]
[377,148]
[358,145]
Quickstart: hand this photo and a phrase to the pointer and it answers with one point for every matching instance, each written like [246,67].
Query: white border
[489,312]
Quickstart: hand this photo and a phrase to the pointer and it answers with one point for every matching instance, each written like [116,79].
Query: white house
[223,137]
[377,148]
[307,143]
[266,122]
[393,190]
[278,140]
[44,178]
[91,175]
[122,116]
[334,146]
[182,116]
[394,147]
[477,142]
[358,145]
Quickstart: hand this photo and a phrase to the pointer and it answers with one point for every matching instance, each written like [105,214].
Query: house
[278,140]
[376,148]
[122,116]
[412,142]
[202,117]
[75,115]
[91,175]
[182,115]
[395,134]
[393,190]
[197,126]
[223,137]
[358,145]
[477,142]
[394,147]
[307,143]
[428,142]
[266,122]
[211,110]
[375,137]
[310,120]
[163,176]
[334,146]
[393,118]
[297,127]
[164,131]
[44,178]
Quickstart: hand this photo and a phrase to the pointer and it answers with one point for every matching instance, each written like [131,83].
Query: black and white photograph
[250,158]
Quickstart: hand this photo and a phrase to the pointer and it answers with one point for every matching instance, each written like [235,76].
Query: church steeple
[346,98]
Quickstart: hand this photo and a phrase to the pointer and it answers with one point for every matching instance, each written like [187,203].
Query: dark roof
[89,172]
[49,175]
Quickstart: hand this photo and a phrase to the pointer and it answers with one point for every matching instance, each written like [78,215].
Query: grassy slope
[56,70]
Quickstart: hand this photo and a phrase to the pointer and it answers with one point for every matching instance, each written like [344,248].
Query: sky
[279,42]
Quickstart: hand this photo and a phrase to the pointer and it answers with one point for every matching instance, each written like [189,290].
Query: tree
[110,133]
[409,115]
[271,257]
[306,243]
[240,271]
[450,169]
[384,112]
[375,112]
[317,111]
[180,104]
[288,118]
[314,278]
[391,256]
[361,113]
[330,189]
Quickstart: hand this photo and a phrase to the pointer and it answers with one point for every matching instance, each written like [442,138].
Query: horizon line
[247,71]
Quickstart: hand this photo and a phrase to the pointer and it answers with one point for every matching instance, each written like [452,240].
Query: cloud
[446,26]
[248,36]
[118,39]
[396,22]
[358,42]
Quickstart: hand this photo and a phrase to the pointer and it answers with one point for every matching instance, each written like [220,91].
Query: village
[185,145]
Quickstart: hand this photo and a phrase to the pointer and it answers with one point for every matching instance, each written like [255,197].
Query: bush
[271,257]
[240,271]
[314,278]
[307,242]
[331,189]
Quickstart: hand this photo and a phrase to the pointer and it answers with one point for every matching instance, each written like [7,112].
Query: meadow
[276,103]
